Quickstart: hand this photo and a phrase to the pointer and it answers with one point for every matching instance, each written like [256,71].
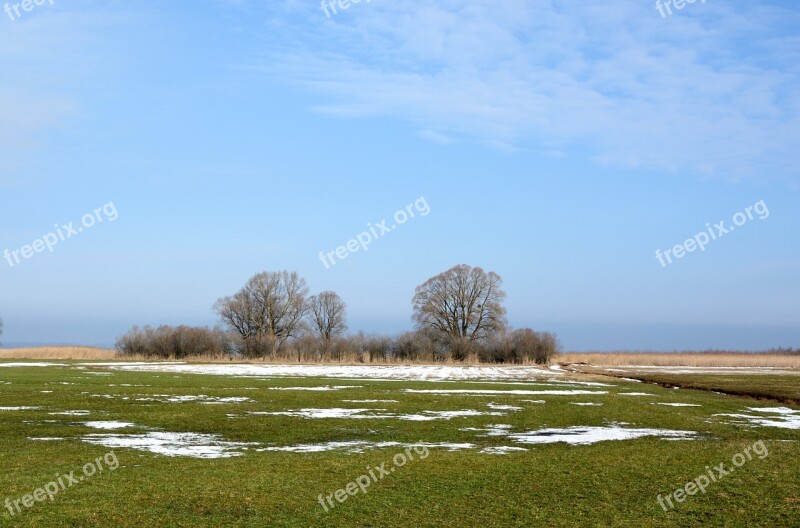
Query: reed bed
[684,359]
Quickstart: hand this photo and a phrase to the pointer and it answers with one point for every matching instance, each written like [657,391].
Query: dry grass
[679,359]
[102,354]
[87,353]
[683,359]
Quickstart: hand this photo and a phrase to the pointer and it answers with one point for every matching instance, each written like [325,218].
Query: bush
[168,342]
[520,346]
[176,342]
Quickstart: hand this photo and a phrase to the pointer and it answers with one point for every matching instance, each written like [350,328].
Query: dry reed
[683,359]
[57,352]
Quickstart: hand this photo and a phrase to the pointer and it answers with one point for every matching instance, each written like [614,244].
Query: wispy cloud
[711,90]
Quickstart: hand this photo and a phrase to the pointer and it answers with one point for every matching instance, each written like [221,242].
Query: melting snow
[406,372]
[584,383]
[359,446]
[502,450]
[318,413]
[43,364]
[786,418]
[425,416]
[677,404]
[323,388]
[586,404]
[108,425]
[371,401]
[71,413]
[578,435]
[503,407]
[492,430]
[513,392]
[200,398]
[19,408]
[193,445]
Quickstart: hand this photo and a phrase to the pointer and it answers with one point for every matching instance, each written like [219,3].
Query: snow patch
[42,364]
[322,388]
[576,392]
[359,446]
[108,425]
[578,435]
[194,445]
[501,450]
[200,398]
[786,418]
[371,401]
[360,372]
[503,407]
[372,414]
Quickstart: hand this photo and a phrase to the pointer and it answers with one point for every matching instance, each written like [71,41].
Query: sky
[166,152]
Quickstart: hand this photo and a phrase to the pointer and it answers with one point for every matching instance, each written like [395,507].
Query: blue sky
[558,144]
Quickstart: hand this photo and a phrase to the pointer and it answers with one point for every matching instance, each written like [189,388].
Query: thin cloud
[710,90]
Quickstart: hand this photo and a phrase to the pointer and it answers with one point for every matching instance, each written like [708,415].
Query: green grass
[606,484]
[784,388]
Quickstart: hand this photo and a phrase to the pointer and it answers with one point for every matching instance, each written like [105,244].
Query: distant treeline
[184,342]
[458,314]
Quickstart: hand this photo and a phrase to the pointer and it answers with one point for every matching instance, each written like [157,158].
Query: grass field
[783,388]
[779,385]
[459,483]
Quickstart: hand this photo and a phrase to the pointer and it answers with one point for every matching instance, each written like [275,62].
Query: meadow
[267,446]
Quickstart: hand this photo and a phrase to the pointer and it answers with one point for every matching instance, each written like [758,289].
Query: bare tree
[237,313]
[461,306]
[327,315]
[267,311]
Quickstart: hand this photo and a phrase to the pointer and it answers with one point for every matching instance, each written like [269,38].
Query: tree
[267,311]
[327,315]
[461,306]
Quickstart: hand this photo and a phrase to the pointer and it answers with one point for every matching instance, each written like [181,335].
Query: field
[784,388]
[482,446]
